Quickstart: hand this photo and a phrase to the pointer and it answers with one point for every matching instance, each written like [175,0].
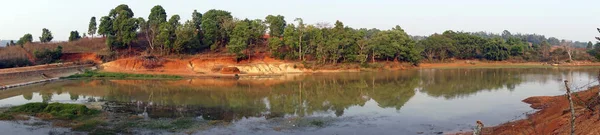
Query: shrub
[48,56]
[14,62]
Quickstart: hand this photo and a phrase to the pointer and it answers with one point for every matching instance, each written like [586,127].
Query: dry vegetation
[85,45]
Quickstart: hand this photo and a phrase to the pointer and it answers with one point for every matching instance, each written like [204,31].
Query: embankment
[211,66]
[34,74]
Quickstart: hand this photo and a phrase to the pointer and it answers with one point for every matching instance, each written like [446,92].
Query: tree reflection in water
[230,100]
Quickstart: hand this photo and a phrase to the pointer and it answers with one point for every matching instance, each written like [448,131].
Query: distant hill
[3,42]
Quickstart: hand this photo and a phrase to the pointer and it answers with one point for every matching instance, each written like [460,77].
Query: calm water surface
[406,102]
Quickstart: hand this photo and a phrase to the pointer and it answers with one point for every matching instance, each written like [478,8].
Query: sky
[565,19]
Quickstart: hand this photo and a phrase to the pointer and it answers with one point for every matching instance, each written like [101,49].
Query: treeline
[218,31]
[464,45]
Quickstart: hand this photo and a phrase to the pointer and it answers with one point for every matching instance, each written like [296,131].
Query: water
[405,102]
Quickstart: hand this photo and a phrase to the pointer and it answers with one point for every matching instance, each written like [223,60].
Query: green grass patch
[96,74]
[52,111]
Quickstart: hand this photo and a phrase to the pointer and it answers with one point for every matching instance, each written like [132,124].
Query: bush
[48,56]
[14,62]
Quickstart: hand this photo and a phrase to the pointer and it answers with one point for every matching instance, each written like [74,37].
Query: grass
[80,118]
[50,111]
[96,74]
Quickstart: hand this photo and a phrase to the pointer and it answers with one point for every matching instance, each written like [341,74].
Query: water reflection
[230,100]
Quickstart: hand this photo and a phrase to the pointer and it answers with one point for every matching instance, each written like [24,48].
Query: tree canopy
[46,36]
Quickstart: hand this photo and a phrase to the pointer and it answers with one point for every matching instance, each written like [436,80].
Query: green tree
[197,20]
[187,40]
[157,16]
[590,45]
[46,36]
[290,39]
[123,27]
[74,35]
[215,31]
[105,27]
[496,49]
[276,25]
[167,34]
[301,29]
[438,46]
[239,38]
[92,27]
[27,38]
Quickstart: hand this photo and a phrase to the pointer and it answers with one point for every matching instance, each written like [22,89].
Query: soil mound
[230,70]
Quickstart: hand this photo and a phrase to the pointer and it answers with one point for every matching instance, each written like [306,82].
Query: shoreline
[261,73]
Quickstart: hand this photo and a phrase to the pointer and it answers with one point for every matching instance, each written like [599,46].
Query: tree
[215,31]
[74,36]
[300,35]
[197,20]
[27,38]
[92,27]
[187,38]
[239,38]
[590,45]
[276,25]
[496,49]
[167,35]
[506,34]
[438,46]
[290,39]
[157,16]
[120,26]
[105,26]
[46,36]
[12,42]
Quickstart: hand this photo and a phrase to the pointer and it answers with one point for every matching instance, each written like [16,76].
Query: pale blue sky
[564,19]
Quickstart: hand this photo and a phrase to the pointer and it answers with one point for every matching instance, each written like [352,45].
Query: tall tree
[590,45]
[215,31]
[124,27]
[290,39]
[92,27]
[157,16]
[239,38]
[46,36]
[167,34]
[197,20]
[105,27]
[301,29]
[276,25]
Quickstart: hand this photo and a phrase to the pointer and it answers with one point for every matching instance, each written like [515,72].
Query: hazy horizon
[572,20]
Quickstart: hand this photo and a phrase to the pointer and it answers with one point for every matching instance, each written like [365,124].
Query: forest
[218,31]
